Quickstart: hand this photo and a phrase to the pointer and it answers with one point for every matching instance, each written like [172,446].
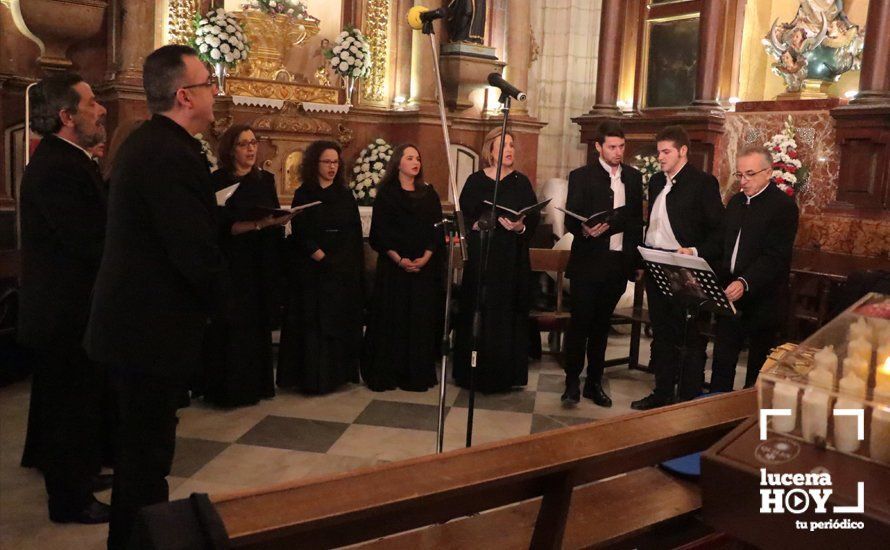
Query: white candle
[861,348]
[880,330]
[826,359]
[846,436]
[856,366]
[879,438]
[785,397]
[861,329]
[882,380]
[822,378]
[814,414]
[883,356]
[852,385]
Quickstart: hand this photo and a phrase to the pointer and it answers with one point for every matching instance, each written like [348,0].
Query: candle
[879,438]
[861,348]
[880,330]
[882,379]
[861,329]
[821,378]
[846,436]
[785,397]
[883,355]
[826,359]
[814,414]
[855,365]
[852,385]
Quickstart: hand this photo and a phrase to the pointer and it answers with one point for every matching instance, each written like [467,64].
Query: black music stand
[690,282]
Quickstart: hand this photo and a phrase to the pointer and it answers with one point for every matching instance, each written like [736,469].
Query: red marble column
[710,42]
[609,58]
[874,77]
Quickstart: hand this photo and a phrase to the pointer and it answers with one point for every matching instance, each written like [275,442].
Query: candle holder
[844,409]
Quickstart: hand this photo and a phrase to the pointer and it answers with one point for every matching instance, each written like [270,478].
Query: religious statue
[466,21]
[820,44]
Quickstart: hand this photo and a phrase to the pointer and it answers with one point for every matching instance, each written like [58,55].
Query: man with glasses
[162,277]
[761,224]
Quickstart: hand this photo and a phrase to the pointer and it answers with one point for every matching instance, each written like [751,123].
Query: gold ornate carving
[377,32]
[292,121]
[179,21]
[270,37]
[220,125]
[344,136]
[287,91]
[321,76]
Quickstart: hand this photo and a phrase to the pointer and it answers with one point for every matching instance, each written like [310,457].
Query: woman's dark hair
[225,150]
[391,176]
[311,158]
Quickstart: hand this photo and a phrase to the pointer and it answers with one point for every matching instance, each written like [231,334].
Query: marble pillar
[423,74]
[518,49]
[609,59]
[710,42]
[874,77]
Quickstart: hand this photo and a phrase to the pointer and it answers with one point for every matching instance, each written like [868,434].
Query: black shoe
[594,392]
[572,395]
[93,513]
[102,482]
[651,401]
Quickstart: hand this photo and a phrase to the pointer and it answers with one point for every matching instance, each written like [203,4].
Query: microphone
[419,15]
[497,81]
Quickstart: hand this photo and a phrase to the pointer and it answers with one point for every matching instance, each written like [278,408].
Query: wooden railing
[367,504]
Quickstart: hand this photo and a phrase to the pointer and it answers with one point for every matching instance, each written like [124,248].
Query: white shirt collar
[757,193]
[608,168]
[85,152]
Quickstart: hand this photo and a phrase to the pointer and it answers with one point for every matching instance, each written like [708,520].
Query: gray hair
[750,150]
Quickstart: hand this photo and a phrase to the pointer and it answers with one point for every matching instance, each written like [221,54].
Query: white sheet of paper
[223,194]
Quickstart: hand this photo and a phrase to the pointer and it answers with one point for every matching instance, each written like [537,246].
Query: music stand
[689,281]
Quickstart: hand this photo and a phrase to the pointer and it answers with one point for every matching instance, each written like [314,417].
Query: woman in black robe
[503,354]
[404,324]
[238,350]
[322,333]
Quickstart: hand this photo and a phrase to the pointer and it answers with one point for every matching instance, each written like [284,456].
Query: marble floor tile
[400,415]
[202,421]
[553,383]
[192,454]
[514,401]
[388,444]
[488,426]
[343,405]
[296,434]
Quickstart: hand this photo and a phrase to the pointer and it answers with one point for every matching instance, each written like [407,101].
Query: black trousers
[592,305]
[146,440]
[668,318]
[67,395]
[732,332]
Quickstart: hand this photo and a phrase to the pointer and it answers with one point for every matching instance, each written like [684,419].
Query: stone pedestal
[465,68]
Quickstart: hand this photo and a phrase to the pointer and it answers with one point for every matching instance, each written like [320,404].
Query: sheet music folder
[686,278]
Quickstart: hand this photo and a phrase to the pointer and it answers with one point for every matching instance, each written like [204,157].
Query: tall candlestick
[814,414]
[852,385]
[785,397]
[861,348]
[861,329]
[857,366]
[883,355]
[826,359]
[822,378]
[846,435]
[879,438]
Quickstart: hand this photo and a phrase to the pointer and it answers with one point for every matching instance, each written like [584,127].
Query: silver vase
[349,85]
[220,70]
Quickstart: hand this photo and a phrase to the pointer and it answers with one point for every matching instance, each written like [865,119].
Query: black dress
[238,352]
[405,317]
[322,333]
[503,357]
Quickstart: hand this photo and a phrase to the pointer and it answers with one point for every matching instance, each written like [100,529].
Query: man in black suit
[761,224]
[63,230]
[685,215]
[603,258]
[162,277]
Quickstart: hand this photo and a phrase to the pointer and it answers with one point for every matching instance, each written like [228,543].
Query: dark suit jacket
[162,274]
[768,226]
[695,210]
[63,229]
[590,192]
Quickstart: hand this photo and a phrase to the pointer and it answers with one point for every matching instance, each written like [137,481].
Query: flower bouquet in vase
[789,173]
[350,57]
[219,41]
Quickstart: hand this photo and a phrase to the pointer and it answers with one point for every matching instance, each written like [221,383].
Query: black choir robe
[405,315]
[503,355]
[238,351]
[322,333]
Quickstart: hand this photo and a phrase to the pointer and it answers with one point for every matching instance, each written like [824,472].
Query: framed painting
[671,61]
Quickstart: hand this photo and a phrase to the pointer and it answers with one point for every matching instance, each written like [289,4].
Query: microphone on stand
[418,16]
[497,81]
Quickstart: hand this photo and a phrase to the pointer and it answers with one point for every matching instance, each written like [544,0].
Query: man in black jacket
[604,256]
[63,230]
[162,277]
[761,224]
[685,215]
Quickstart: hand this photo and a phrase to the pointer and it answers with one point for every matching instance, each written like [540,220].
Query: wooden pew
[367,504]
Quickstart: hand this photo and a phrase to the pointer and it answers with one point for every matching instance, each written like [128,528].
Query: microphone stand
[485,241]
[452,230]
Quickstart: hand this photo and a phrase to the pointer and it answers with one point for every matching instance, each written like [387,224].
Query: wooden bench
[421,493]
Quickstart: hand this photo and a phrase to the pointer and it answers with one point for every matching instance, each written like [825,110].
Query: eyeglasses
[251,143]
[739,176]
[211,82]
[330,162]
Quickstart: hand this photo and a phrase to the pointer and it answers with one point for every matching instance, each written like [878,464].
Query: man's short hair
[749,150]
[675,134]
[51,95]
[608,128]
[162,75]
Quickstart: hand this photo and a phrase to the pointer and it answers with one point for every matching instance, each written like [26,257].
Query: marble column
[404,35]
[710,42]
[609,58]
[874,77]
[137,39]
[423,74]
[518,49]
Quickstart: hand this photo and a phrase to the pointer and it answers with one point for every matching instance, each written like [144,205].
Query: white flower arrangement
[789,174]
[293,8]
[369,170]
[212,162]
[219,38]
[648,166]
[351,54]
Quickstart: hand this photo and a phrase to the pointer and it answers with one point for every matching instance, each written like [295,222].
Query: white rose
[225,48]
[230,29]
[379,141]
[342,35]
[366,166]
[203,48]
[214,54]
[353,48]
[229,58]
[361,194]
[220,12]
[378,166]
[223,36]
[376,178]
[343,66]
[356,72]
[372,193]
[214,30]
[236,54]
